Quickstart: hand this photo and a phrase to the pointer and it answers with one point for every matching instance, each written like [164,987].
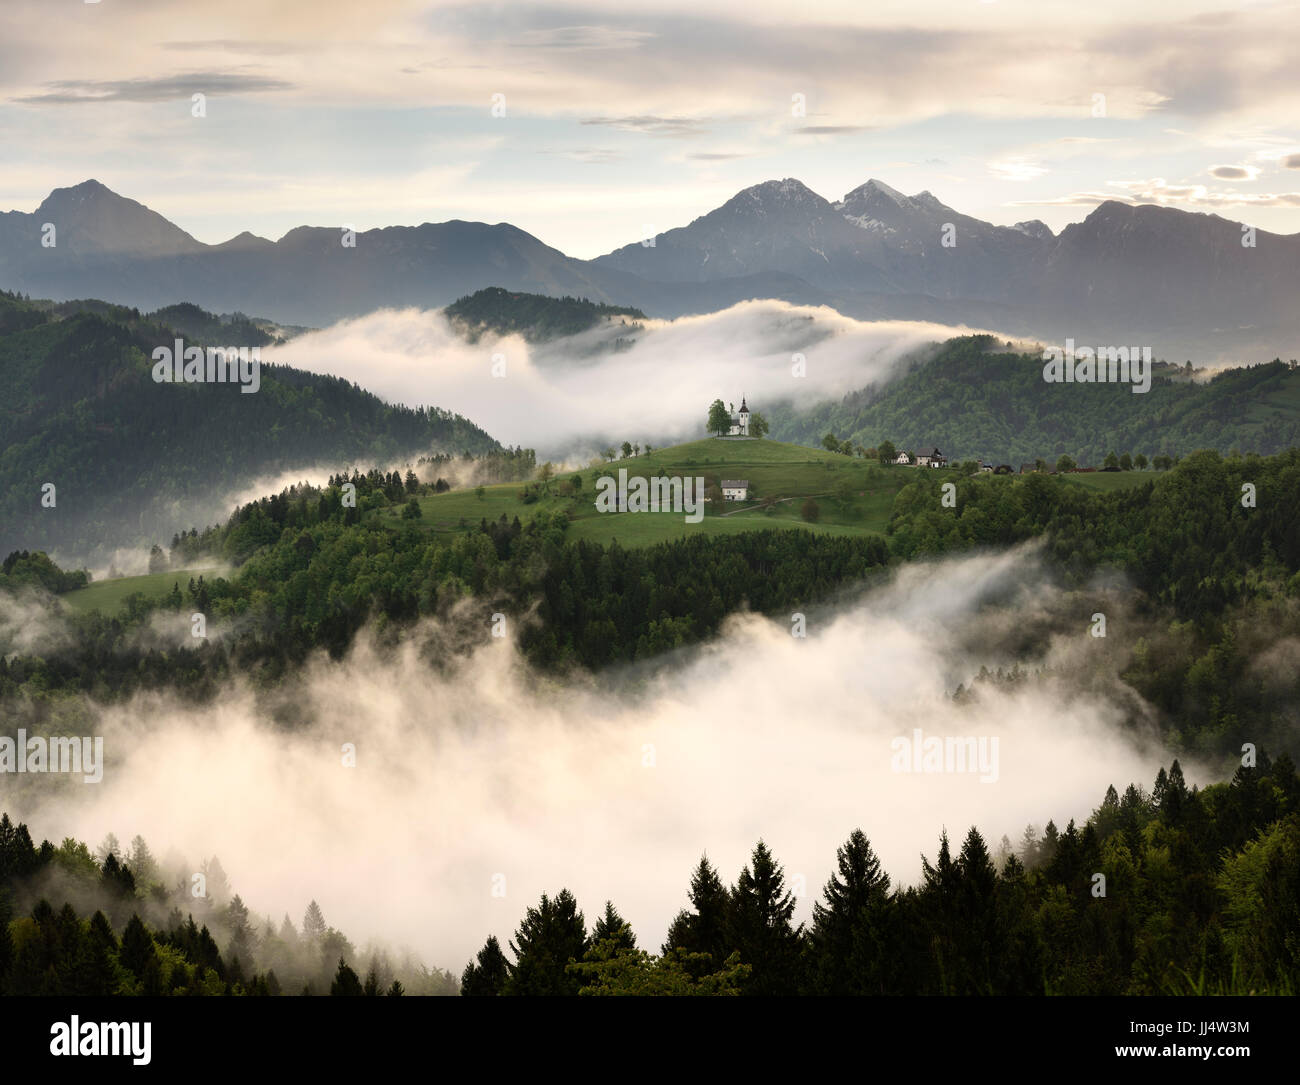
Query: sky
[590,124]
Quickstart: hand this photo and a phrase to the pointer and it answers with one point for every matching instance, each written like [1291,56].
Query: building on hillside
[930,457]
[735,489]
[740,421]
[985,467]
[903,458]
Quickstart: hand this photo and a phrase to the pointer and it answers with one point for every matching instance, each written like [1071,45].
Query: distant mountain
[1180,282]
[133,461]
[975,400]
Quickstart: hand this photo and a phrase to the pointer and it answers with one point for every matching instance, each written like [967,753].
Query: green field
[109,596]
[782,472]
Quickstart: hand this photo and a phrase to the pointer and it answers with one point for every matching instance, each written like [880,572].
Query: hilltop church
[740,422]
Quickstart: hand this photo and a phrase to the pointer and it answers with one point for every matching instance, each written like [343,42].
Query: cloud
[654,126]
[1234,173]
[1292,161]
[158,89]
[480,767]
[830,129]
[1016,169]
[582,38]
[578,393]
[1158,191]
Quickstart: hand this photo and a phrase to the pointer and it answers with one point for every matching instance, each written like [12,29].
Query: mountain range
[1181,282]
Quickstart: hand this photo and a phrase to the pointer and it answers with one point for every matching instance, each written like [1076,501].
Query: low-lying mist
[572,395]
[482,773]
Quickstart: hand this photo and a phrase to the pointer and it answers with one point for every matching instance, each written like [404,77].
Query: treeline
[115,923]
[976,399]
[1175,892]
[536,316]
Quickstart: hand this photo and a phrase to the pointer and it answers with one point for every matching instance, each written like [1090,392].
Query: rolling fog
[567,398]
[614,787]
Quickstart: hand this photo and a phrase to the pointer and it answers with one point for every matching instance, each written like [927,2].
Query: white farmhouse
[903,458]
[735,489]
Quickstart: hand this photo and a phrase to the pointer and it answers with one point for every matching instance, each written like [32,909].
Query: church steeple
[743,408]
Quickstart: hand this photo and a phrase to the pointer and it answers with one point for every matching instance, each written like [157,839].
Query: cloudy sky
[646,114]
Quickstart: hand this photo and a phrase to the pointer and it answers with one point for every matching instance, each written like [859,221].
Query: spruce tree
[345,981]
[488,976]
[761,928]
[551,936]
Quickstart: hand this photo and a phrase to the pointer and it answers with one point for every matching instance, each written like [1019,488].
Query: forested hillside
[976,401]
[129,457]
[535,316]
[1216,586]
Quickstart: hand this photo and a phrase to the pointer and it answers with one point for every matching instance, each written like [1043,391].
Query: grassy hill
[853,495]
[110,596]
[975,401]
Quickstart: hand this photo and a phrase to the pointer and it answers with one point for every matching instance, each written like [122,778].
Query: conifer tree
[551,936]
[488,976]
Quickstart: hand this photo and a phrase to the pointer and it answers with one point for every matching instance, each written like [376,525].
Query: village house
[903,458]
[734,489]
[931,457]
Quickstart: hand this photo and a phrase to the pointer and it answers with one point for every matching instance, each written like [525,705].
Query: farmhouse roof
[734,483]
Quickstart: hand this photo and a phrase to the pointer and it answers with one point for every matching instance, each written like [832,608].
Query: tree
[761,929]
[758,425]
[1140,461]
[612,927]
[137,947]
[142,863]
[1111,463]
[830,442]
[1126,462]
[487,975]
[848,923]
[412,481]
[706,930]
[480,492]
[346,982]
[551,936]
[313,923]
[719,421]
[887,452]
[412,510]
[1064,464]
[627,449]
[157,559]
[810,510]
